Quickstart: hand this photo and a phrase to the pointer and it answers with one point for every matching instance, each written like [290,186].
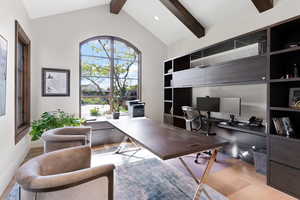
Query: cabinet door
[285,151]
[243,70]
[252,69]
[284,178]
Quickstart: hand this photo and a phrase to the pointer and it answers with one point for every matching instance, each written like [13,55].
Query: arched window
[109,71]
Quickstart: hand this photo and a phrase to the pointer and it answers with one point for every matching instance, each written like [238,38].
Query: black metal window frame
[112,61]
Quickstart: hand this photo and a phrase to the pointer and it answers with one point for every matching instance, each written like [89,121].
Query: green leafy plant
[95,111]
[52,120]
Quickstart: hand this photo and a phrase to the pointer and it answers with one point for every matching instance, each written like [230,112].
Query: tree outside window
[110,70]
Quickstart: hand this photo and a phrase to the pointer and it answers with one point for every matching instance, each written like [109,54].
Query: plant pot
[116,115]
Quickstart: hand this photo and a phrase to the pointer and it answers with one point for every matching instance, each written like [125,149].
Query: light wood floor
[241,182]
[237,182]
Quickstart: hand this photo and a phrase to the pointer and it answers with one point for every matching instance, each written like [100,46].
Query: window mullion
[112,71]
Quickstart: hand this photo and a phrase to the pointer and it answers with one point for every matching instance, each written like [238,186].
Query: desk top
[164,141]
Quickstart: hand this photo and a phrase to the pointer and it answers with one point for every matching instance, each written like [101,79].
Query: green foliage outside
[95,112]
[93,101]
[52,120]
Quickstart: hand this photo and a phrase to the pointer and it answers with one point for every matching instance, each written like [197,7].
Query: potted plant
[52,120]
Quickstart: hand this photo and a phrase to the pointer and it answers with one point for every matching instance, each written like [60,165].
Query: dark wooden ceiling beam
[263,5]
[184,16]
[116,6]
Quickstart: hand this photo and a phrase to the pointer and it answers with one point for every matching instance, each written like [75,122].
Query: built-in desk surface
[261,131]
[164,141]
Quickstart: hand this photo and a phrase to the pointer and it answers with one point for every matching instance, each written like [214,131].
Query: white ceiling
[168,28]
[42,8]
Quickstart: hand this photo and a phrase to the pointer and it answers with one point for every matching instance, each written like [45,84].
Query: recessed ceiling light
[156,18]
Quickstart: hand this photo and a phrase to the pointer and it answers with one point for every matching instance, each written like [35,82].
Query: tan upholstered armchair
[66,137]
[64,175]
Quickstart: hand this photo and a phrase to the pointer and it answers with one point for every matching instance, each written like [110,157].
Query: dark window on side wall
[22,83]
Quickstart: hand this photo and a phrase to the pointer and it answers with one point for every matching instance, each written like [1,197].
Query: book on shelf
[283,126]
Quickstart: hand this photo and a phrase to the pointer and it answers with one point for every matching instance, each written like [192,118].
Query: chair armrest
[59,138]
[71,179]
[76,130]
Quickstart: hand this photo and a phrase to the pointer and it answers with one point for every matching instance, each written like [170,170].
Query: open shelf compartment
[283,64]
[294,118]
[284,35]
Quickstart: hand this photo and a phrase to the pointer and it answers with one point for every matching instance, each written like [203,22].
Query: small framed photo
[55,82]
[294,98]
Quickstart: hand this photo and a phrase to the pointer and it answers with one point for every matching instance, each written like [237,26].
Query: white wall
[11,155]
[56,45]
[254,99]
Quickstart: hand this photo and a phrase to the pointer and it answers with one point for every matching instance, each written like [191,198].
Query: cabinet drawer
[285,178]
[108,136]
[285,150]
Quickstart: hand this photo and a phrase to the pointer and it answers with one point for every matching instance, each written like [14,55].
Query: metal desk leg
[201,188]
[200,182]
[121,149]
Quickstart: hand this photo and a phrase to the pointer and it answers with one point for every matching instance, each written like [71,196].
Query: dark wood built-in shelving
[279,48]
[283,152]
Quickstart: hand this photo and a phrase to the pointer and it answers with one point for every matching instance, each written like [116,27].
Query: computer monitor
[230,106]
[208,104]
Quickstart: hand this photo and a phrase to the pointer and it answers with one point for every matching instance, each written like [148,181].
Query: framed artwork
[3,68]
[55,82]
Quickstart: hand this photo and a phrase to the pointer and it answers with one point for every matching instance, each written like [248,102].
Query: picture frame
[55,82]
[294,98]
[3,74]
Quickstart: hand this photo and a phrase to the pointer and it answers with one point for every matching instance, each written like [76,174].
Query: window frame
[112,39]
[20,35]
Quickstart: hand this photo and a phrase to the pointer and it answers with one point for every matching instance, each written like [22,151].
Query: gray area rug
[151,179]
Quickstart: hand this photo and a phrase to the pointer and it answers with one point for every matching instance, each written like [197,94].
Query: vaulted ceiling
[154,15]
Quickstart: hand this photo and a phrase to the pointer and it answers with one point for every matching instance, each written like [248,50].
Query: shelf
[284,109]
[284,80]
[179,117]
[167,74]
[168,101]
[294,139]
[168,87]
[285,50]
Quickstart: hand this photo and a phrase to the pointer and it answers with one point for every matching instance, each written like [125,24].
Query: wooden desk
[167,143]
